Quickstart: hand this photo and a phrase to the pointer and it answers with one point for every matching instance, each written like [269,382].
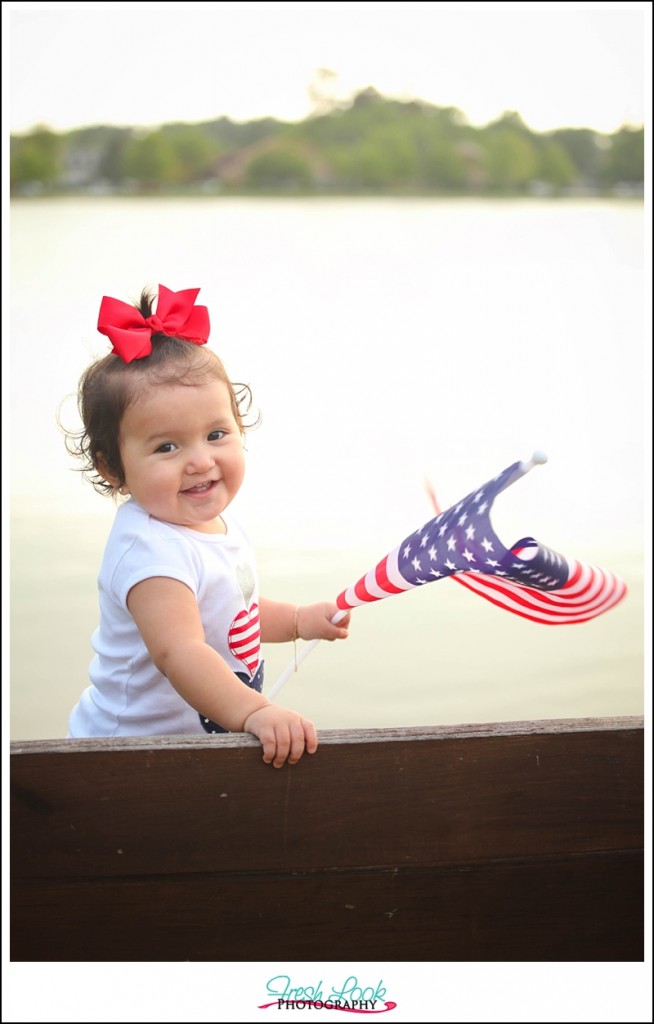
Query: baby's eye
[216,435]
[168,446]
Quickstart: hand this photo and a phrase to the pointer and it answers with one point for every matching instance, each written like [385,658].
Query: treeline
[375,145]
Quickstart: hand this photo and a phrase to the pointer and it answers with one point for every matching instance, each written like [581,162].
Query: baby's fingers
[338,625]
[289,742]
[276,744]
[284,735]
[303,736]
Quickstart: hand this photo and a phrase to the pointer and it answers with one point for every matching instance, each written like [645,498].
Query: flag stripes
[527,579]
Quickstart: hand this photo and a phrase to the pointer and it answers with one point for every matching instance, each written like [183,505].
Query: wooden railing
[520,841]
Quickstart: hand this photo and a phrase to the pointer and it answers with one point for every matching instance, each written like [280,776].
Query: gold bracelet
[296,635]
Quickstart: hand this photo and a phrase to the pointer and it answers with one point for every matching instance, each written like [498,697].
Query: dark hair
[109,386]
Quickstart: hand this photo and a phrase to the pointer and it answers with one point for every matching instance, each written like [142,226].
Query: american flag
[527,579]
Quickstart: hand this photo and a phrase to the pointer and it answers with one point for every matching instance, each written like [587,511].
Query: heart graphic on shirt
[244,637]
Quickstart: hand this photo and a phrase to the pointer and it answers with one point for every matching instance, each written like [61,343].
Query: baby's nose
[200,458]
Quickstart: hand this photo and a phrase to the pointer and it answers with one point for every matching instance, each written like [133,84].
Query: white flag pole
[305,651]
[537,459]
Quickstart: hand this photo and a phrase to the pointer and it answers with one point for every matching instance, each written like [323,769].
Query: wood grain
[516,841]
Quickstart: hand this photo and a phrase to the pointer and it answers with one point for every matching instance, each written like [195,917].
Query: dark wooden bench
[505,842]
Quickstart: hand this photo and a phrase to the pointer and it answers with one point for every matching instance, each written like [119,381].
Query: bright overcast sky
[557,64]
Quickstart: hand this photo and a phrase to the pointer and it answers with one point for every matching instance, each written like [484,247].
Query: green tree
[150,160]
[360,167]
[363,143]
[278,169]
[584,149]
[625,159]
[193,150]
[554,165]
[511,157]
[435,136]
[36,158]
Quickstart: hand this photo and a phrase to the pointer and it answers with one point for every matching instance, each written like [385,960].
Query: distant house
[81,164]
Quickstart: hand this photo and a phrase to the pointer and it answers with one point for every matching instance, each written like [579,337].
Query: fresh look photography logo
[352,996]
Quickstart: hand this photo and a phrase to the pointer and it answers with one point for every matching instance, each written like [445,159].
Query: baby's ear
[102,468]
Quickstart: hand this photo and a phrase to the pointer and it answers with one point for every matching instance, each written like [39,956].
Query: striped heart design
[244,637]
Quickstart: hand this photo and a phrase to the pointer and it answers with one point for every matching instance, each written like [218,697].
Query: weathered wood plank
[213,806]
[518,841]
[532,727]
[561,909]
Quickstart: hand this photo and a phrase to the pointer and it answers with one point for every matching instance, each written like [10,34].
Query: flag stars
[454,543]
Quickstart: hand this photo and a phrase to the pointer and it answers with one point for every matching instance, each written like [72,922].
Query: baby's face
[182,452]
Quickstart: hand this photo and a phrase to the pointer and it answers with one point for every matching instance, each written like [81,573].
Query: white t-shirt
[128,695]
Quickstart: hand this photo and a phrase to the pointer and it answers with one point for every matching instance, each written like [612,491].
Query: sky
[557,64]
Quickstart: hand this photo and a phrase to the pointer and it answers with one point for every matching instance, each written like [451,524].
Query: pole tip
[539,458]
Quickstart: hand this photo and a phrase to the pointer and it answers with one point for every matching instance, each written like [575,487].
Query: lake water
[385,341]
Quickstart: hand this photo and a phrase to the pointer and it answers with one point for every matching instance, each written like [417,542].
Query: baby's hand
[314,622]
[284,734]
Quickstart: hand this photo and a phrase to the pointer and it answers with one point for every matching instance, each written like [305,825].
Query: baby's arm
[168,619]
[312,621]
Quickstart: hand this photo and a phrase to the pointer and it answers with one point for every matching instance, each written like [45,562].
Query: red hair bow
[177,315]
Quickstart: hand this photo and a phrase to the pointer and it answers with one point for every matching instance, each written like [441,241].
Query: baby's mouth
[200,488]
